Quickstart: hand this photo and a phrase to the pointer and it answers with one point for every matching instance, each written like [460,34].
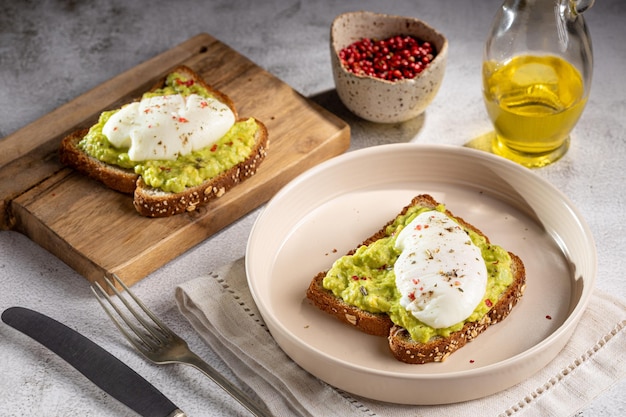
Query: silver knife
[99,366]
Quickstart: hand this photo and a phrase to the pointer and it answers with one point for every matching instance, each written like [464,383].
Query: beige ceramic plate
[331,208]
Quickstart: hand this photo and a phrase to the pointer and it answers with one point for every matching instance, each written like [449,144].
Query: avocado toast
[170,172]
[384,285]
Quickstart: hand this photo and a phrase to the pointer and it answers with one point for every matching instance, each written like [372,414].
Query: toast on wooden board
[439,346]
[152,201]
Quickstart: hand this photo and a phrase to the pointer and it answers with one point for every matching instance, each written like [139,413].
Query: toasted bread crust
[371,323]
[153,202]
[438,349]
[401,345]
[117,178]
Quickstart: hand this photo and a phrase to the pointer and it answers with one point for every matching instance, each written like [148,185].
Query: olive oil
[534,103]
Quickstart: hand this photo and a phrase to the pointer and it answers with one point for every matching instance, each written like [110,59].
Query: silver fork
[158,343]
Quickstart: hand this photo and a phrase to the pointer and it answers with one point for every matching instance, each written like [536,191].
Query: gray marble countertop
[53,51]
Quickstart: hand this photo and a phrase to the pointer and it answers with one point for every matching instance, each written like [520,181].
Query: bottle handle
[580,6]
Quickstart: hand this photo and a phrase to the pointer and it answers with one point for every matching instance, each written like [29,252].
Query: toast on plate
[438,282]
[172,174]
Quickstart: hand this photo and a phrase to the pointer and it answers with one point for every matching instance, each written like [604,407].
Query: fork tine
[140,318]
[140,337]
[166,330]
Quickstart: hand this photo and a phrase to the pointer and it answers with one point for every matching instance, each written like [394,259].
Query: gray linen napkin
[221,309]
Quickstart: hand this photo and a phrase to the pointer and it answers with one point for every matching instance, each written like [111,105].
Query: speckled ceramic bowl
[380,100]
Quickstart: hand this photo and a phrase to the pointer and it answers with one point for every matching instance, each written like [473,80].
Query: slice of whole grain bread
[153,202]
[402,346]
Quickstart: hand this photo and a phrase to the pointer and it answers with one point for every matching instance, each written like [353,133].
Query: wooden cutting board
[96,230]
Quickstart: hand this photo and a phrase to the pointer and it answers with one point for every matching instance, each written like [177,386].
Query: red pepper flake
[203,104]
[418,227]
[187,83]
[471,360]
[148,110]
[549,317]
[182,120]
[214,147]
[412,296]
[355,277]
[488,303]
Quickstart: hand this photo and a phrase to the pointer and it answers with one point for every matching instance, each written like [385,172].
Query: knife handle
[98,365]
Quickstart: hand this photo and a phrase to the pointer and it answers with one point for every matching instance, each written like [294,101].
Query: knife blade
[99,366]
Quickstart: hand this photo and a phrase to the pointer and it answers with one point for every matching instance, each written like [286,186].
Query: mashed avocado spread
[366,279]
[188,170]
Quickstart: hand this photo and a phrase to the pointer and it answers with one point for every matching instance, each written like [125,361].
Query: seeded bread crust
[376,324]
[402,346]
[152,202]
[117,178]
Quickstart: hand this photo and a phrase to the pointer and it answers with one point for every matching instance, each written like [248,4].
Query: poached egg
[164,127]
[440,272]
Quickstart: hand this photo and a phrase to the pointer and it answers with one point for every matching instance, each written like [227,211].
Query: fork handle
[195,361]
